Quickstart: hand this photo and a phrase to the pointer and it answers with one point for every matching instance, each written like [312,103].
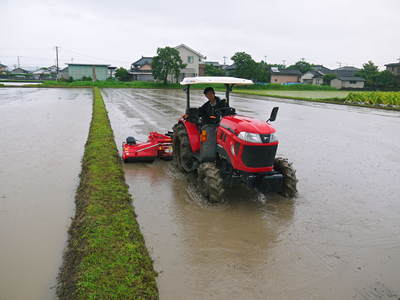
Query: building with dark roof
[285,76]
[141,69]
[393,68]
[348,82]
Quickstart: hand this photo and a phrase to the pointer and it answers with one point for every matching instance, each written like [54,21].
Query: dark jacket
[207,110]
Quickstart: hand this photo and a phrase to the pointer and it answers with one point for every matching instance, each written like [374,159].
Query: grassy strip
[106,257]
[340,101]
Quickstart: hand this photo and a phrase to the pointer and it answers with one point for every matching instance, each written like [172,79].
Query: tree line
[167,64]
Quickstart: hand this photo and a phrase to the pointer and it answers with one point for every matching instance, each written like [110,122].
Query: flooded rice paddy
[340,239]
[42,137]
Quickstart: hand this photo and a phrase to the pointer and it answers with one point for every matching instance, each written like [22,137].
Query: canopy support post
[227,91]
[187,90]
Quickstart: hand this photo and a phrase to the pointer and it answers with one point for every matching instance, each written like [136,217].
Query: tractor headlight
[273,138]
[250,137]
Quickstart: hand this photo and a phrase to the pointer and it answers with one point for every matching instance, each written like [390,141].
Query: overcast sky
[120,32]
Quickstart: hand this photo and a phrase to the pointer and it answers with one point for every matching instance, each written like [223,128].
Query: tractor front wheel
[289,189]
[210,182]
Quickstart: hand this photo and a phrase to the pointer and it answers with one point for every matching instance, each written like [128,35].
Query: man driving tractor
[207,111]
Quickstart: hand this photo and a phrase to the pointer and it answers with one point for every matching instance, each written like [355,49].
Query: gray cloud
[119,32]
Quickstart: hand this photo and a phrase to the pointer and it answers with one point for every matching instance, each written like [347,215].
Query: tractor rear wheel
[210,182]
[181,148]
[289,189]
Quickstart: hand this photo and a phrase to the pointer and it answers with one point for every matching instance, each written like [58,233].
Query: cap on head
[209,89]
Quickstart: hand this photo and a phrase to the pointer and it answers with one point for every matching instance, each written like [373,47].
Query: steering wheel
[225,111]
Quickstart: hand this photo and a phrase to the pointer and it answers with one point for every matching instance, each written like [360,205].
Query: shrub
[375,98]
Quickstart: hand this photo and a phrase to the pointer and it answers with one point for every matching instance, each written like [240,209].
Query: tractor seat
[193,115]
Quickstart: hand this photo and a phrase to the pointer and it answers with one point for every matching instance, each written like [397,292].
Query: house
[229,70]
[141,69]
[285,76]
[313,77]
[346,71]
[19,71]
[45,73]
[324,70]
[3,68]
[213,63]
[78,71]
[348,82]
[111,72]
[394,68]
[192,59]
[346,78]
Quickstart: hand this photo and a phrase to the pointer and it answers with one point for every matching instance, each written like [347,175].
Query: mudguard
[193,134]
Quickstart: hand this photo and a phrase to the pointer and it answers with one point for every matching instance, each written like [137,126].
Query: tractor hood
[237,124]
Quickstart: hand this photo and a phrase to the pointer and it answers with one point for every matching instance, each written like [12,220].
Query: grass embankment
[380,100]
[106,257]
[375,98]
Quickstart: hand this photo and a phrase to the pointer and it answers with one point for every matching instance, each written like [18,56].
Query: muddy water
[42,134]
[340,239]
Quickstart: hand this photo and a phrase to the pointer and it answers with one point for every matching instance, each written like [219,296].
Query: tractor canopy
[229,82]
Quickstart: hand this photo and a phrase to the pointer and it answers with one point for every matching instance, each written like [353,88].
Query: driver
[207,111]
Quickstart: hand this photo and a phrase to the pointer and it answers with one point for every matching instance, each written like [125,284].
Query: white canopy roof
[215,79]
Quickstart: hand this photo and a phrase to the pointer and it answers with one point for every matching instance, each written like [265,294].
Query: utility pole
[284,63]
[18,61]
[340,64]
[265,58]
[225,60]
[57,60]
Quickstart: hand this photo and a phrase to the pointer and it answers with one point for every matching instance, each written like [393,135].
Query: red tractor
[236,149]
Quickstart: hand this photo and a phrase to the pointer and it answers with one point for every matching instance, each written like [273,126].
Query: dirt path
[42,135]
[339,240]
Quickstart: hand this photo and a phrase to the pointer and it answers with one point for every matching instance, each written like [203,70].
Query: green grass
[375,98]
[106,256]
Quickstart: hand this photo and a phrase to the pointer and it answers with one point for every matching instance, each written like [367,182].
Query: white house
[312,77]
[192,59]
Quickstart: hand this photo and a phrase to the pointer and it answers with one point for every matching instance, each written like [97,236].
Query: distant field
[299,94]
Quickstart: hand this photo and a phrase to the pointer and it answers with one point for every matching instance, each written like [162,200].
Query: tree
[246,67]
[122,74]
[211,70]
[301,66]
[369,72]
[262,73]
[386,80]
[166,63]
[328,78]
